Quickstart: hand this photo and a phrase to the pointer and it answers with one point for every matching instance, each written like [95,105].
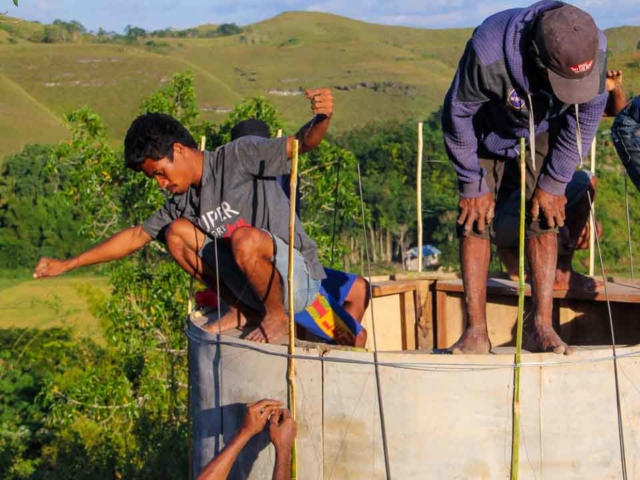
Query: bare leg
[474,257]
[576,237]
[252,249]
[509,258]
[543,251]
[356,304]
[183,242]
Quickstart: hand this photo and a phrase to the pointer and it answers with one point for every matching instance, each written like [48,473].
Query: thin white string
[578,134]
[423,366]
[532,132]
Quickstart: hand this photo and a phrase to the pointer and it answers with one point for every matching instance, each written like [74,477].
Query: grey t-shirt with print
[239,188]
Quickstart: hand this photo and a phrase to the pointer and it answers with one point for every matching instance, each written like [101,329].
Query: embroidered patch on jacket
[515,101]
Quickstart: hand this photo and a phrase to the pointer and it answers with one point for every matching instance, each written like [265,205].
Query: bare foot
[472,341]
[230,320]
[270,329]
[547,340]
[572,280]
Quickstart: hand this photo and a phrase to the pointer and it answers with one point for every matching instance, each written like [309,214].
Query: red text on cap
[582,67]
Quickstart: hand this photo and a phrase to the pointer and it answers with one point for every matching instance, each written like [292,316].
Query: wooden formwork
[581,317]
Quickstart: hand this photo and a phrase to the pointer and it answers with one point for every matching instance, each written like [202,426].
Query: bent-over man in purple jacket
[522,69]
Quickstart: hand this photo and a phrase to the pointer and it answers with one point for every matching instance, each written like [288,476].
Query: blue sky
[156,14]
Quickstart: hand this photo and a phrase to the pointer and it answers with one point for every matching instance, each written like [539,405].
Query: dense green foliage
[36,218]
[387,153]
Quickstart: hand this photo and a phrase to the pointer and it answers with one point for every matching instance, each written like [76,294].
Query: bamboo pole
[293,183]
[203,144]
[592,222]
[419,195]
[515,440]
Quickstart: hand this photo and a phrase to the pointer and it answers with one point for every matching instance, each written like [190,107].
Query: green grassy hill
[377,72]
[60,302]
[25,119]
[624,55]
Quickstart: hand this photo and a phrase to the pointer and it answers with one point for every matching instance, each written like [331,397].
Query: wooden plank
[382,289]
[577,321]
[417,314]
[441,320]
[403,321]
[425,276]
[617,292]
[408,317]
[426,323]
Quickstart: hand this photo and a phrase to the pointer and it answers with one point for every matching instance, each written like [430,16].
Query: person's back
[626,138]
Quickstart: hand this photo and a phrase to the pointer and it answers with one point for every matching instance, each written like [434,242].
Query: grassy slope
[24,119]
[627,59]
[299,49]
[287,52]
[110,79]
[46,304]
[292,50]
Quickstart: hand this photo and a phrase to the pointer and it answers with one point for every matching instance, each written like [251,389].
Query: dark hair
[253,127]
[152,136]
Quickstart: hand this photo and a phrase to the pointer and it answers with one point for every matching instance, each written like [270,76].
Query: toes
[254,336]
[560,348]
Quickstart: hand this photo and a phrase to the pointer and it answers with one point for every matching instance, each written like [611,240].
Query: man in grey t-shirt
[227,216]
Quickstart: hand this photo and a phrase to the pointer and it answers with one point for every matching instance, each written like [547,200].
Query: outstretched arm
[118,246]
[312,133]
[254,422]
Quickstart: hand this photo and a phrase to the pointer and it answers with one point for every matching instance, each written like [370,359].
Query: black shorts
[503,179]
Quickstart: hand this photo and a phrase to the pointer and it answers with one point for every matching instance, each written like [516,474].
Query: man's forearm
[282,468]
[616,101]
[312,133]
[123,243]
[219,467]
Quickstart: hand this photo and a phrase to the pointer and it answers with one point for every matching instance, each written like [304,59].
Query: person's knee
[361,292]
[250,242]
[176,235]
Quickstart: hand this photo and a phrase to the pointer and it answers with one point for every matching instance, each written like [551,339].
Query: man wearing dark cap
[523,70]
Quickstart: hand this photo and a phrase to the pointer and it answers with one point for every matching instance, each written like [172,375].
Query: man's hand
[257,415]
[614,80]
[479,209]
[321,101]
[282,429]
[552,207]
[51,267]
